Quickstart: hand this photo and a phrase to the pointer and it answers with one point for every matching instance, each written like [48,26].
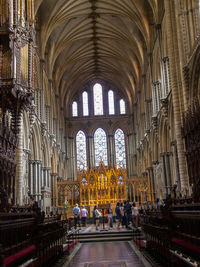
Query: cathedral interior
[99,104]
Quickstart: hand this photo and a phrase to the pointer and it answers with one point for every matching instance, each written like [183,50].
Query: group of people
[125,214]
[80,216]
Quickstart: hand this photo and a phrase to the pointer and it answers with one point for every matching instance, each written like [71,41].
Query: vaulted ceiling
[96,40]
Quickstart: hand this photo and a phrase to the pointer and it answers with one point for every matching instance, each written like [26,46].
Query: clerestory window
[122,107]
[111,102]
[98,99]
[85,104]
[74,109]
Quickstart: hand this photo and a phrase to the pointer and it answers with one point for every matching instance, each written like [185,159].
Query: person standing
[84,214]
[76,212]
[97,216]
[118,215]
[110,217]
[123,219]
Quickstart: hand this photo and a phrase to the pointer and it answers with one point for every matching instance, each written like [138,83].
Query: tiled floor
[105,254]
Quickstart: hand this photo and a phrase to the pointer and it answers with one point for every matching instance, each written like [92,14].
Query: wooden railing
[29,236]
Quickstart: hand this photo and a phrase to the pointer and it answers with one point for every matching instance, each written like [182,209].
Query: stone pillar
[176,167]
[164,171]
[111,151]
[90,151]
[53,188]
[19,161]
[39,180]
[174,60]
[129,154]
[168,171]
[72,158]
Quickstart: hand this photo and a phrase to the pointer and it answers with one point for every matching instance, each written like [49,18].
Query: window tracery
[81,150]
[120,149]
[100,147]
[98,99]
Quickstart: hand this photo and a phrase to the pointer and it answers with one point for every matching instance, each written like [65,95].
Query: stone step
[105,239]
[106,234]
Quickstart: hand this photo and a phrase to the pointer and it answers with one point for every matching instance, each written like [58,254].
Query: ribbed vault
[96,40]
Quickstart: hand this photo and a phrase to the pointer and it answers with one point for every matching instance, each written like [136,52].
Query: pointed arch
[81,155]
[100,147]
[98,99]
[120,148]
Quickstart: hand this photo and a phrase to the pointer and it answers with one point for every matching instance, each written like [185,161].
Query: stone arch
[46,153]
[194,90]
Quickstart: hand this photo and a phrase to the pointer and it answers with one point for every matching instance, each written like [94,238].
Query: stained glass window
[98,99]
[85,104]
[81,150]
[74,109]
[122,106]
[120,149]
[100,147]
[111,102]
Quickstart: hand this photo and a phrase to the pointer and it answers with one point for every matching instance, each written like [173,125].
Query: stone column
[72,158]
[90,151]
[39,182]
[130,155]
[164,171]
[111,151]
[53,188]
[174,60]
[19,161]
[168,171]
[176,167]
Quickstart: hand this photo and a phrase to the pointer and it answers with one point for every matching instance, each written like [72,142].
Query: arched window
[85,104]
[81,150]
[122,106]
[111,102]
[100,147]
[98,99]
[74,109]
[120,148]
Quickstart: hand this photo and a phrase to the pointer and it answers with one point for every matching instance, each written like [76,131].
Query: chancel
[99,125]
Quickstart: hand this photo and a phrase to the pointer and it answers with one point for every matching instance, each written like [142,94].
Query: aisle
[105,254]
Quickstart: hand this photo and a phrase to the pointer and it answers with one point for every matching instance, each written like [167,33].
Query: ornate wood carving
[191,134]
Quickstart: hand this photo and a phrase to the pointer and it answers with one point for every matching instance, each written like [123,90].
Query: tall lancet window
[111,102]
[100,147]
[74,109]
[81,150]
[98,99]
[122,106]
[85,104]
[120,149]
